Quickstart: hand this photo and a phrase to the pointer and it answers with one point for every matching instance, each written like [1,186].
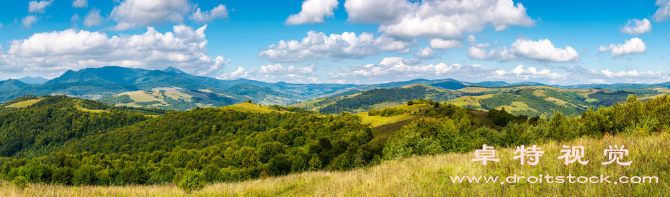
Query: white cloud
[219,12]
[378,11]
[93,18]
[275,73]
[445,44]
[518,73]
[28,20]
[80,3]
[313,11]
[57,51]
[607,76]
[524,49]
[425,53]
[471,38]
[0,24]
[640,27]
[396,69]
[279,69]
[38,7]
[140,13]
[239,73]
[448,19]
[663,13]
[74,18]
[634,45]
[336,46]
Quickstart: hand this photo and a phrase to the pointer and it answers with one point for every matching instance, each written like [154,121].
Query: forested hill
[247,140]
[41,124]
[379,98]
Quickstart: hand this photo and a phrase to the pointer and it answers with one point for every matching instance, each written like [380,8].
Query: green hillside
[171,98]
[380,98]
[520,100]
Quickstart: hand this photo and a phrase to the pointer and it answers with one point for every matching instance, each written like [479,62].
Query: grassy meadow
[430,176]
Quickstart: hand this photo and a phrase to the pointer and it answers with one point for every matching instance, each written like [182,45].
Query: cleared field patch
[249,107]
[140,96]
[166,89]
[470,101]
[88,110]
[179,95]
[557,101]
[23,104]
[379,120]
[517,107]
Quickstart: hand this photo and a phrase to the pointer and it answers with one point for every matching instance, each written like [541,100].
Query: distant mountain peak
[33,80]
[173,70]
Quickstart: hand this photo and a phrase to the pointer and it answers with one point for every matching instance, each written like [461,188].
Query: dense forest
[115,147]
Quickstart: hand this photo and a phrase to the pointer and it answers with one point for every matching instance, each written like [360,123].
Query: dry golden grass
[430,176]
[23,104]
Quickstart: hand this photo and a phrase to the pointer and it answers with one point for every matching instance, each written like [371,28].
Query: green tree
[192,181]
[314,163]
[20,182]
[410,102]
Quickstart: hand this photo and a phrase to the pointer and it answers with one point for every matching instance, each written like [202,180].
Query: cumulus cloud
[219,12]
[74,18]
[472,38]
[57,51]
[279,69]
[80,3]
[663,12]
[531,73]
[318,45]
[445,44]
[524,49]
[607,76]
[313,11]
[140,13]
[93,18]
[239,73]
[634,45]
[396,69]
[28,20]
[448,19]
[38,7]
[636,27]
[425,53]
[275,73]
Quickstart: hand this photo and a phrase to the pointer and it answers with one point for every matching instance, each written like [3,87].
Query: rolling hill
[518,99]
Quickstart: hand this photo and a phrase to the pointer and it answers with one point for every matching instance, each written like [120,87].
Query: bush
[20,182]
[191,181]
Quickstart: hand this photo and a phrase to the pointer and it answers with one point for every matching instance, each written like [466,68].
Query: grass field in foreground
[430,176]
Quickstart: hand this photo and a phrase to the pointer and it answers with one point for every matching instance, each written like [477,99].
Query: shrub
[191,181]
[20,182]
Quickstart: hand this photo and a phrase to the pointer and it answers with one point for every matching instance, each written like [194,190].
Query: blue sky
[344,41]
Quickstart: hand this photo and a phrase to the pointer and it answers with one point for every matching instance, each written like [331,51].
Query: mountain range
[115,84]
